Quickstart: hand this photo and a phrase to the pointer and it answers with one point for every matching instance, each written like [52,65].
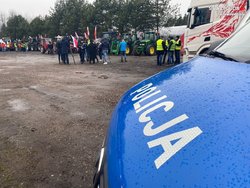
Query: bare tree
[3,19]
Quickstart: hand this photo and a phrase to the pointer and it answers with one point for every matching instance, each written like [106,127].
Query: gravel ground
[54,117]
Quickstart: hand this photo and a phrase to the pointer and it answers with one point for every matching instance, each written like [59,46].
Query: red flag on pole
[85,35]
[76,35]
[75,42]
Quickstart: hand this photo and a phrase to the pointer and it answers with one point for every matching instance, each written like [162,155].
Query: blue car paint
[215,95]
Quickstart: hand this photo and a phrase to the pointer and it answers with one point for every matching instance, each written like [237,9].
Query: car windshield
[238,46]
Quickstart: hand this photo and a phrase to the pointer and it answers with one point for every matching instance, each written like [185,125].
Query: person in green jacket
[171,50]
[160,46]
[177,50]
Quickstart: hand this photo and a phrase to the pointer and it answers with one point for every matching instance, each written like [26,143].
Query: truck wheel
[150,50]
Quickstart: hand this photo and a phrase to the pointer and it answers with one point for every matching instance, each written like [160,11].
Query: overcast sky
[32,8]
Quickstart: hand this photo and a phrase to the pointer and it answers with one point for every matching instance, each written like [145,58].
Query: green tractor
[131,40]
[146,46]
[113,40]
[115,47]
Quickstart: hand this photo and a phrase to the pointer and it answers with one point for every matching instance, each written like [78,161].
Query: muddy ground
[53,117]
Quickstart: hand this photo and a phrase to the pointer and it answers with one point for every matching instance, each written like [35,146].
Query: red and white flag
[85,35]
[88,31]
[75,42]
[95,33]
[76,35]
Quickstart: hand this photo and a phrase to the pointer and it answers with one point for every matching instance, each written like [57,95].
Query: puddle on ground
[13,67]
[78,114]
[4,90]
[18,105]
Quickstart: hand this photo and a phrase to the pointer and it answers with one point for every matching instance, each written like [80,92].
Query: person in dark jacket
[87,49]
[92,51]
[100,51]
[65,45]
[59,48]
[165,51]
[82,49]
[50,48]
[105,50]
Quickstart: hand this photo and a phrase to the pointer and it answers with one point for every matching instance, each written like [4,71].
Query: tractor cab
[110,35]
[150,36]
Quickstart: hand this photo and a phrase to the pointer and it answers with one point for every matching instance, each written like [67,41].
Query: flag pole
[72,56]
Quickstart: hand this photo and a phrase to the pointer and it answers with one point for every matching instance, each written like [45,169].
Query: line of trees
[70,16]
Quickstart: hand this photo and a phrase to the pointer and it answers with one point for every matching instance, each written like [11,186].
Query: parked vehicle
[187,126]
[131,40]
[146,46]
[210,21]
[114,42]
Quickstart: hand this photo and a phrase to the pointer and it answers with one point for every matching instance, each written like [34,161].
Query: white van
[210,21]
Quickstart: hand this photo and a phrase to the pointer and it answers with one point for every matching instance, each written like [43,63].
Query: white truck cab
[210,21]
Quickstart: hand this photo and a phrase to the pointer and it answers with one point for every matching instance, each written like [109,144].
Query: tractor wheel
[128,50]
[150,50]
[137,52]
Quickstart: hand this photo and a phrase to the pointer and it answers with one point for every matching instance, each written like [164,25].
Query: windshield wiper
[222,56]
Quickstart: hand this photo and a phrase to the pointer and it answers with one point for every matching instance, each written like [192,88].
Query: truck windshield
[202,16]
[238,46]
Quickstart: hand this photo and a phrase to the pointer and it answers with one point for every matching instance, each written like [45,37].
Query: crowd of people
[171,48]
[30,44]
[89,50]
[167,50]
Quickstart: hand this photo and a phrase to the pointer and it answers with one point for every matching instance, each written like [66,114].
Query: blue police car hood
[188,126]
